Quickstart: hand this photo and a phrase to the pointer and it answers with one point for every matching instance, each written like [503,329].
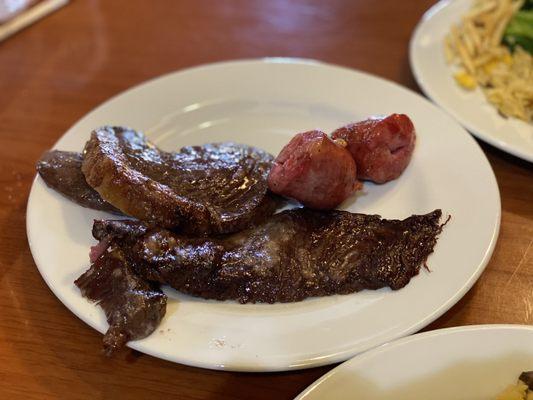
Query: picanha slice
[210,189]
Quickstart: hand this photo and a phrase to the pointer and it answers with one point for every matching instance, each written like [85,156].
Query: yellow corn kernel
[488,67]
[465,80]
[507,59]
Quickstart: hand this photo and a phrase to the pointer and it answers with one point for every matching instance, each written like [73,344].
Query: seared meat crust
[295,254]
[210,189]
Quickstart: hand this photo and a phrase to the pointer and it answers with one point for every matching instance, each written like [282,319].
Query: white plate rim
[309,362]
[434,96]
[428,335]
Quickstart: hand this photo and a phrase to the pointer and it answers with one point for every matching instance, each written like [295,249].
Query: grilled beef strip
[202,190]
[296,254]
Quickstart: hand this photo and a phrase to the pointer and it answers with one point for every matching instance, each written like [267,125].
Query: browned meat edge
[61,170]
[133,306]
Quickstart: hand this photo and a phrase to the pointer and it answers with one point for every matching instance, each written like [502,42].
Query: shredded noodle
[474,47]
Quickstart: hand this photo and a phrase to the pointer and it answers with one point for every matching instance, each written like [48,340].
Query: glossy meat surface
[295,254]
[61,170]
[381,147]
[314,170]
[210,189]
[133,307]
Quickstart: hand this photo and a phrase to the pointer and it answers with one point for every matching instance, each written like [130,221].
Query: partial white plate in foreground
[264,103]
[471,109]
[465,363]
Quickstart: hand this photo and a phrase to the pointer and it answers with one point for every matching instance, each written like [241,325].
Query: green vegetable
[528,5]
[520,29]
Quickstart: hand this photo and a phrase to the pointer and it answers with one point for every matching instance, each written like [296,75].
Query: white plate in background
[470,108]
[264,103]
[465,363]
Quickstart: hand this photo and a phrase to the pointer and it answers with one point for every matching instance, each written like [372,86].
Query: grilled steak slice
[133,307]
[294,255]
[61,170]
[209,189]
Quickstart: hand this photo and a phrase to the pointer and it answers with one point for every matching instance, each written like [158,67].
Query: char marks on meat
[133,307]
[209,189]
[295,254]
[61,170]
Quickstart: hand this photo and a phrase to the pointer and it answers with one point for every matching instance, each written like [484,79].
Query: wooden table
[57,70]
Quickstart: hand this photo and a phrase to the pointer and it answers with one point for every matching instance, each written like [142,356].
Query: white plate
[466,363]
[471,109]
[264,103]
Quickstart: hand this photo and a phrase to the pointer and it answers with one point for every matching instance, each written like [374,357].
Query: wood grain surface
[57,70]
